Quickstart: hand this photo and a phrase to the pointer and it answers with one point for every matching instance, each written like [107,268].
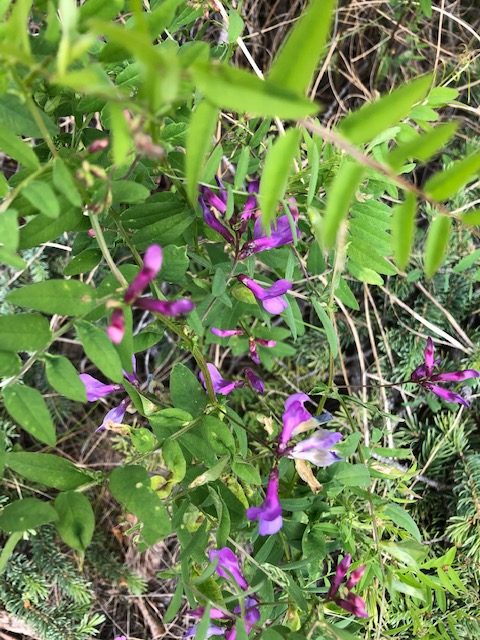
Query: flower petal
[429,356]
[353,604]
[220,384]
[214,223]
[446,394]
[228,566]
[455,376]
[96,389]
[254,381]
[226,333]
[116,326]
[166,307]
[152,263]
[355,576]
[269,513]
[340,573]
[275,306]
[115,415]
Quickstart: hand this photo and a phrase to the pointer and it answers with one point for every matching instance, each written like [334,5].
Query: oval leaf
[47,469]
[28,408]
[100,350]
[64,378]
[403,229]
[199,139]
[445,184]
[65,297]
[339,196]
[24,332]
[76,521]
[25,514]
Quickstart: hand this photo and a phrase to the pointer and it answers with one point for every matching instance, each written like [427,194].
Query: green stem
[100,238]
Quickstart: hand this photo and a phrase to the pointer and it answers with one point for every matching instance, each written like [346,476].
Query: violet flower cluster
[424,376]
[214,208]
[223,387]
[343,596]
[317,449]
[152,263]
[228,567]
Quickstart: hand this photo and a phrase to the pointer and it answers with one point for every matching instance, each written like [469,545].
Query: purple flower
[297,419]
[252,614]
[254,381]
[96,390]
[269,513]
[212,630]
[166,307]
[120,638]
[116,326]
[348,601]
[280,235]
[271,297]
[220,384]
[252,347]
[424,376]
[152,263]
[228,566]
[317,448]
[226,333]
[208,200]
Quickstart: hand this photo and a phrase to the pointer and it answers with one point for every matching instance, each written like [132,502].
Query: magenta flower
[269,513]
[96,390]
[347,600]
[271,297]
[297,419]
[228,566]
[152,263]
[424,376]
[212,630]
[254,381]
[220,385]
[226,333]
[280,234]
[252,347]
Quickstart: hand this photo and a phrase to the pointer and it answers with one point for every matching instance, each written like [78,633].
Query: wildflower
[269,513]
[280,234]
[297,419]
[228,566]
[252,347]
[424,376]
[317,448]
[349,601]
[96,390]
[271,297]
[254,381]
[152,263]
[226,333]
[220,385]
[212,630]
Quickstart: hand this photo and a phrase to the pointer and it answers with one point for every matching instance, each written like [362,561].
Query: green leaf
[235,26]
[28,408]
[130,485]
[42,197]
[220,437]
[295,64]
[351,475]
[100,350]
[328,326]
[64,378]
[45,468]
[198,142]
[101,9]
[436,244]
[128,191]
[122,142]
[403,229]
[174,459]
[445,184]
[403,519]
[373,118]
[24,332]
[246,472]
[65,297]
[340,194]
[186,391]
[9,233]
[17,149]
[239,90]
[17,119]
[210,475]
[276,170]
[42,229]
[422,147]
[472,217]
[64,183]
[10,363]
[83,262]
[175,264]
[76,521]
[29,513]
